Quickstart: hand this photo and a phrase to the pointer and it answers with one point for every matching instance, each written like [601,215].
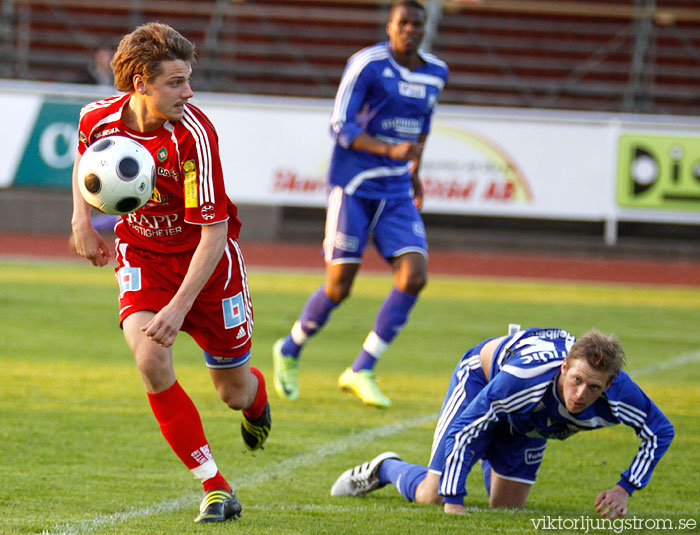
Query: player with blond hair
[507,397]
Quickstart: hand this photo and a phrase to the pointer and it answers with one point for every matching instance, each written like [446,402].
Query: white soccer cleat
[363,478]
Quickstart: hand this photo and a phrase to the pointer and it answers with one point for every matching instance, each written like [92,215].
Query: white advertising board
[473,164]
[478,161]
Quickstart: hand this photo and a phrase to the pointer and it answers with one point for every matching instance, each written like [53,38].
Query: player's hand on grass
[454,509]
[88,243]
[612,503]
[165,325]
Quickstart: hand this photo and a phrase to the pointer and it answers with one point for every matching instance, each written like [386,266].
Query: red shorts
[221,318]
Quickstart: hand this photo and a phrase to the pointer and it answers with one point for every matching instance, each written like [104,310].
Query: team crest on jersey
[162,154]
[407,89]
[208,211]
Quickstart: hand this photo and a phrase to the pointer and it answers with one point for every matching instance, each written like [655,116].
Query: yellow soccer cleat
[364,386]
[286,373]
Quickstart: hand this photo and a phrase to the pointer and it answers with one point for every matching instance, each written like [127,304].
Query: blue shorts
[217,362]
[514,457]
[396,226]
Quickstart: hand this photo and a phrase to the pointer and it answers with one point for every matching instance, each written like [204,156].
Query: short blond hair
[602,352]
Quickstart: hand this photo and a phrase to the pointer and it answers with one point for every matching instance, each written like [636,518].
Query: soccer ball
[116,175]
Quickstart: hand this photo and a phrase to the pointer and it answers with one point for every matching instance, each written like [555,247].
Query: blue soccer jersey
[521,397]
[389,102]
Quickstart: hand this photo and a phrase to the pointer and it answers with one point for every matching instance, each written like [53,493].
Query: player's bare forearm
[165,325]
[399,151]
[612,503]
[85,240]
[417,191]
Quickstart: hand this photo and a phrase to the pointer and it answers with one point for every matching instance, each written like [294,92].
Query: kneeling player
[507,396]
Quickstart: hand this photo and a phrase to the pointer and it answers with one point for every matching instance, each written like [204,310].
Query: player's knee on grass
[507,493]
[427,490]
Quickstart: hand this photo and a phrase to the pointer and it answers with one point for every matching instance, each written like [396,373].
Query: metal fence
[603,55]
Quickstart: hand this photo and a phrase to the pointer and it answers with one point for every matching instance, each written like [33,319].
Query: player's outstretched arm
[86,241]
[612,503]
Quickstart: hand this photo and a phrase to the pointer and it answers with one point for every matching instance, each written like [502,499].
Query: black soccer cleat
[254,432]
[219,505]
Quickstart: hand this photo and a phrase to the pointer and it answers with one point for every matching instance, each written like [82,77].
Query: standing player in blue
[507,396]
[380,122]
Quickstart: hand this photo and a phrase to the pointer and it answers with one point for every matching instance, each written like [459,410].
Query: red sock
[256,408]
[181,426]
[216,482]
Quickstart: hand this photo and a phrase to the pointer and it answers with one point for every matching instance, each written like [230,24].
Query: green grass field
[80,451]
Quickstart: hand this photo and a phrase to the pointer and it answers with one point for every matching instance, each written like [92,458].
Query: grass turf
[81,453]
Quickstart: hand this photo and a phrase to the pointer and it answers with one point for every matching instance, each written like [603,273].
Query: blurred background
[588,110]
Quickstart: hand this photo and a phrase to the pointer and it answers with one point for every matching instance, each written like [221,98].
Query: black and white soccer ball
[116,175]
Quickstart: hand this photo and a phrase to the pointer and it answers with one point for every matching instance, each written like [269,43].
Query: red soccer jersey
[189,189]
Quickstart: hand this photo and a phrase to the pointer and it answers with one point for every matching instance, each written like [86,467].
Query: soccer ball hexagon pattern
[116,175]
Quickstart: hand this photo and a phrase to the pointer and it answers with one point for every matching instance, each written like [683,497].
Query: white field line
[190,499]
[686,358]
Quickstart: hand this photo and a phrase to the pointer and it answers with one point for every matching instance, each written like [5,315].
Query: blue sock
[313,316]
[391,318]
[364,361]
[404,476]
[289,348]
